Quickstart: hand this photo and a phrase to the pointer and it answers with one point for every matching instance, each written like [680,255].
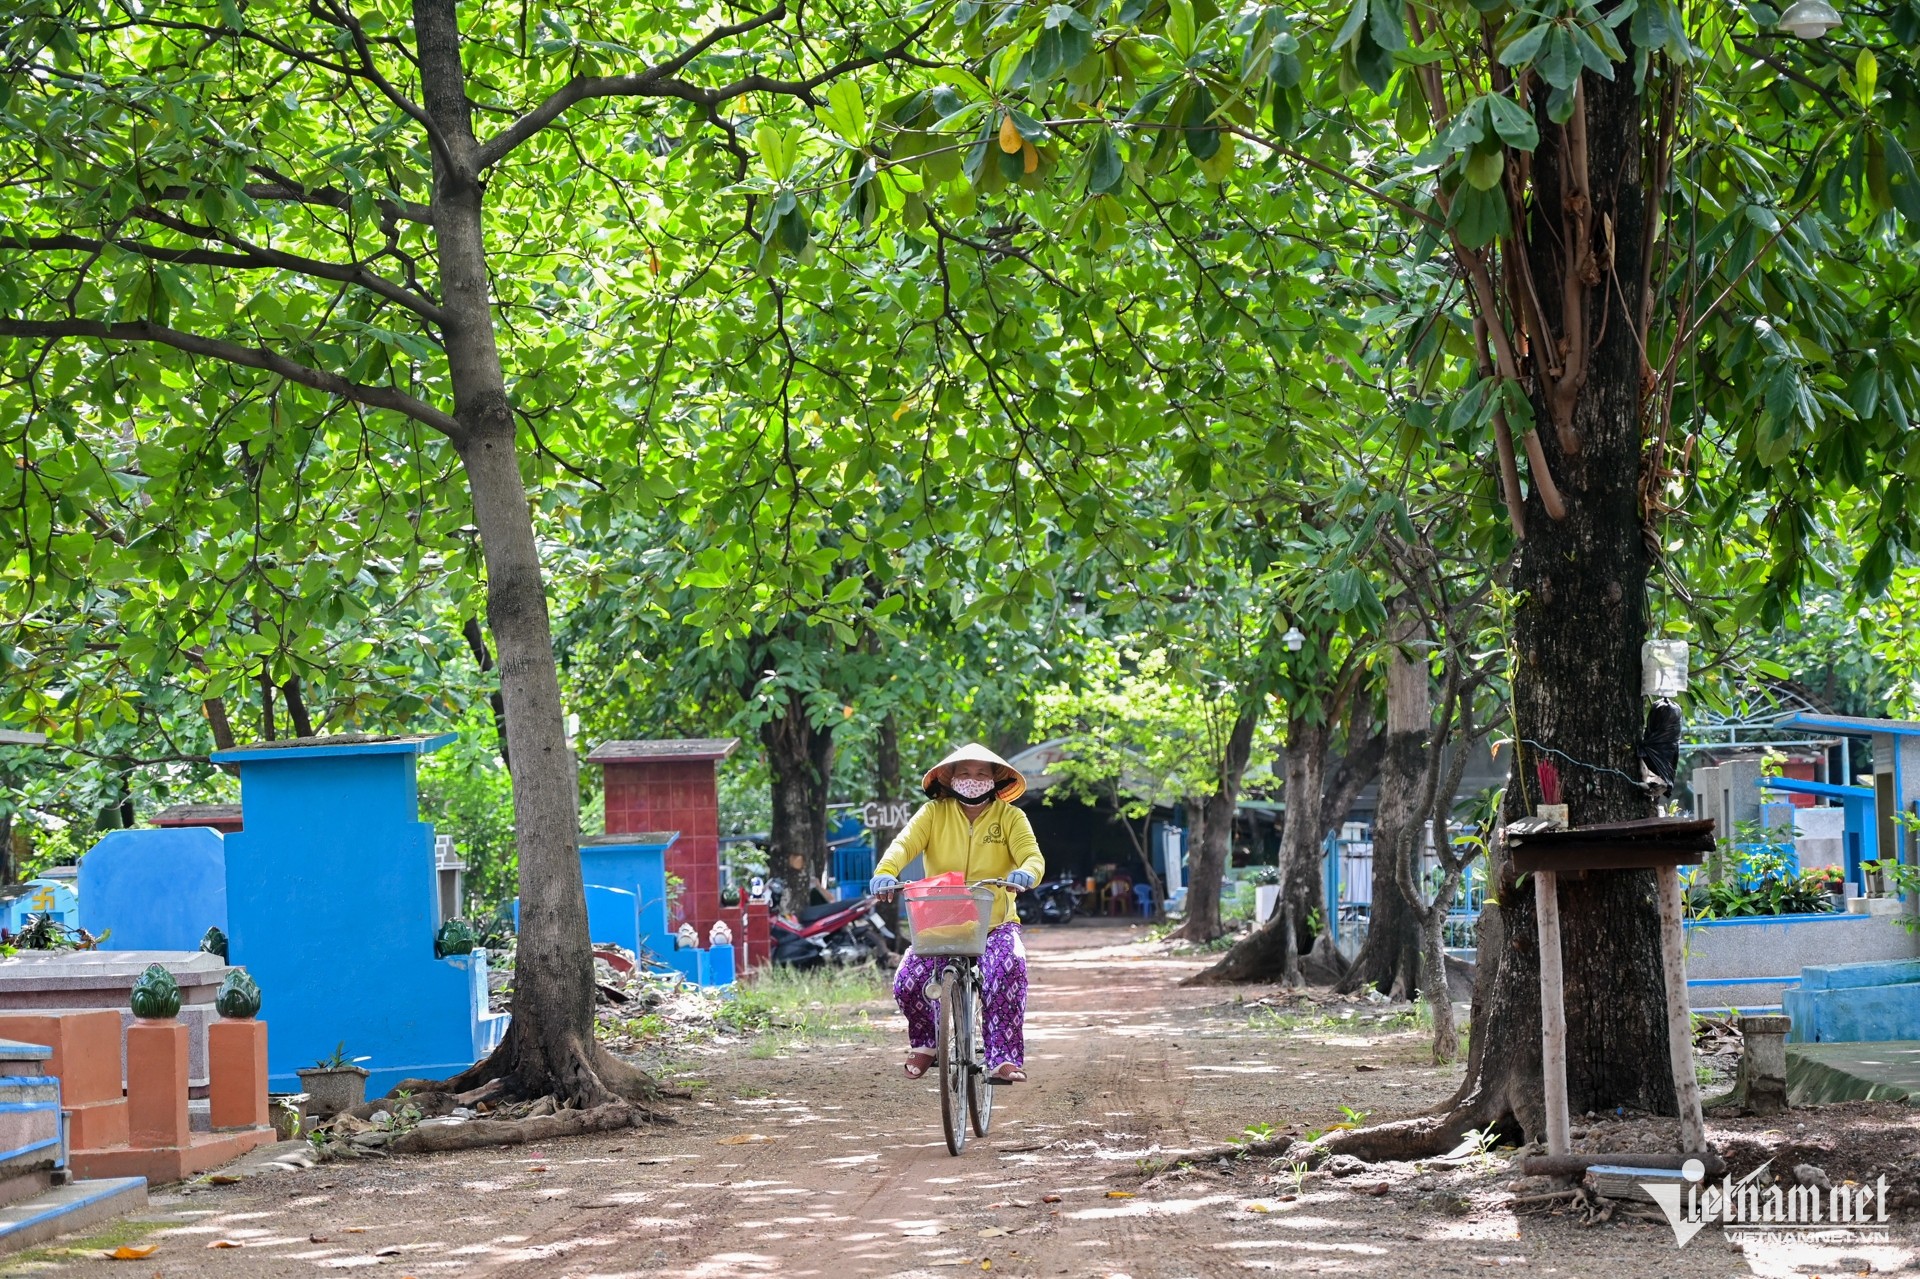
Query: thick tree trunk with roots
[1215,821]
[549,1047]
[1317,798]
[1389,959]
[800,760]
[1579,624]
[1272,950]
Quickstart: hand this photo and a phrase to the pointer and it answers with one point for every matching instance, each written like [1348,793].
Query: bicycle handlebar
[991,883]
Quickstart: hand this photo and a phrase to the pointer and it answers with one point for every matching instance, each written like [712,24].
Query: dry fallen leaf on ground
[1049,1199]
[1119,1194]
[223,1243]
[1258,1208]
[133,1252]
[746,1139]
[387,1252]
[994,1232]
[223,1179]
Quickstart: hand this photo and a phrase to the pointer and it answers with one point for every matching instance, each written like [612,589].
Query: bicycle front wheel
[953,1047]
[979,1092]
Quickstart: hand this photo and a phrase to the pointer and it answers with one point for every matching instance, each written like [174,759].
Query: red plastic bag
[940,901]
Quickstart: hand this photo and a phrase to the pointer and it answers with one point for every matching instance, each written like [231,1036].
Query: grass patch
[62,1250]
[781,1009]
[809,1000]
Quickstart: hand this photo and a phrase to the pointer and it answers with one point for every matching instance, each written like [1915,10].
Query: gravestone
[19,903]
[155,889]
[333,901]
[626,879]
[50,981]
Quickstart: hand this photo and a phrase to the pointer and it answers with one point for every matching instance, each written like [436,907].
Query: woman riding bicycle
[971,827]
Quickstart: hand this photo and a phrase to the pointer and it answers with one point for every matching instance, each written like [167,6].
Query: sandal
[1007,1073]
[918,1062]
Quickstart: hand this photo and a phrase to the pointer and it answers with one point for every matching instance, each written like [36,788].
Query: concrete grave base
[1818,1073]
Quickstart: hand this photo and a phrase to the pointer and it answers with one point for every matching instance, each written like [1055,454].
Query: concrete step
[68,1209]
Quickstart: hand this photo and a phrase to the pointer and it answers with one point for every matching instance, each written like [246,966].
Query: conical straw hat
[1011,784]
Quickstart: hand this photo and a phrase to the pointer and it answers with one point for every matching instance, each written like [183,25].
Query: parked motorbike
[839,933]
[1054,902]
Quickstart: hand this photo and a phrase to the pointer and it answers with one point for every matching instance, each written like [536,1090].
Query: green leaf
[1181,29]
[1385,25]
[1203,138]
[1558,62]
[1484,167]
[1513,122]
[1105,169]
[1356,18]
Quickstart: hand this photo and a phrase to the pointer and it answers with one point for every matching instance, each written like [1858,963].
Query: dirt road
[822,1161]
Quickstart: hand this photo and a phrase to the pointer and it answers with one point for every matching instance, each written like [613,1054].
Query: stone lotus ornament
[239,996]
[156,996]
[215,942]
[456,937]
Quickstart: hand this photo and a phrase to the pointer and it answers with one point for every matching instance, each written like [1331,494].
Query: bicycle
[966,1088]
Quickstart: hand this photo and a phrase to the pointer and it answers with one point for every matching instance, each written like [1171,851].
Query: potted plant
[334,1083]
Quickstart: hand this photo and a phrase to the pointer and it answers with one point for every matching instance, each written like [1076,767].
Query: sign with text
[885,814]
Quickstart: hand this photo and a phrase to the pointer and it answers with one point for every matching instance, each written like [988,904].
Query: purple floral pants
[1003,981]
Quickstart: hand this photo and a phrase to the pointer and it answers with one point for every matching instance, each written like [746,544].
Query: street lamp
[1810,19]
[1293,639]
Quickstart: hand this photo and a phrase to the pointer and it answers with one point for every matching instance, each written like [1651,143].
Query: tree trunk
[1215,848]
[549,1047]
[218,723]
[800,759]
[1389,959]
[1272,950]
[297,707]
[1339,789]
[887,790]
[1579,621]
[267,732]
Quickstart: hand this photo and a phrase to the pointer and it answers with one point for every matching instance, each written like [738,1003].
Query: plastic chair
[1118,893]
[1143,898]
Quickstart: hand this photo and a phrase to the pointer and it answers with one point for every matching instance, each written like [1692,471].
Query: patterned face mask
[972,788]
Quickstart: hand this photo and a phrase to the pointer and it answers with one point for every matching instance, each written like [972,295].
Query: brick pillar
[237,1073]
[157,1084]
[759,936]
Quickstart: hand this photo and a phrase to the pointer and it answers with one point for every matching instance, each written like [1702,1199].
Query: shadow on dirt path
[824,1161]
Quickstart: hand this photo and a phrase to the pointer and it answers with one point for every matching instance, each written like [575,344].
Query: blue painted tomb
[155,889]
[332,905]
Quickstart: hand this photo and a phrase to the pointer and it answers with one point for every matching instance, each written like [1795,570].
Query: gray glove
[1021,879]
[883,884]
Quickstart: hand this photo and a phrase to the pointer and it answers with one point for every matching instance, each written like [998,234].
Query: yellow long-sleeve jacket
[998,841]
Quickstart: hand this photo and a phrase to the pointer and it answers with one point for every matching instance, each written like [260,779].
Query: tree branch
[662,81]
[249,257]
[379,397]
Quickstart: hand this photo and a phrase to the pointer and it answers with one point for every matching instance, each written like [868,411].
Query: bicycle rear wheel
[979,1092]
[953,1050]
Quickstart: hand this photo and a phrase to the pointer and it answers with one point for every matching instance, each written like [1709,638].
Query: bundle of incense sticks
[1549,781]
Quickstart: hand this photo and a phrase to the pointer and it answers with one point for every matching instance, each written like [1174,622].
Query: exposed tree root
[580,1074]
[1402,1140]
[475,1133]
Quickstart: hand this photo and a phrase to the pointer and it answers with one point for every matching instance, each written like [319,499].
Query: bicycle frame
[966,1094]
